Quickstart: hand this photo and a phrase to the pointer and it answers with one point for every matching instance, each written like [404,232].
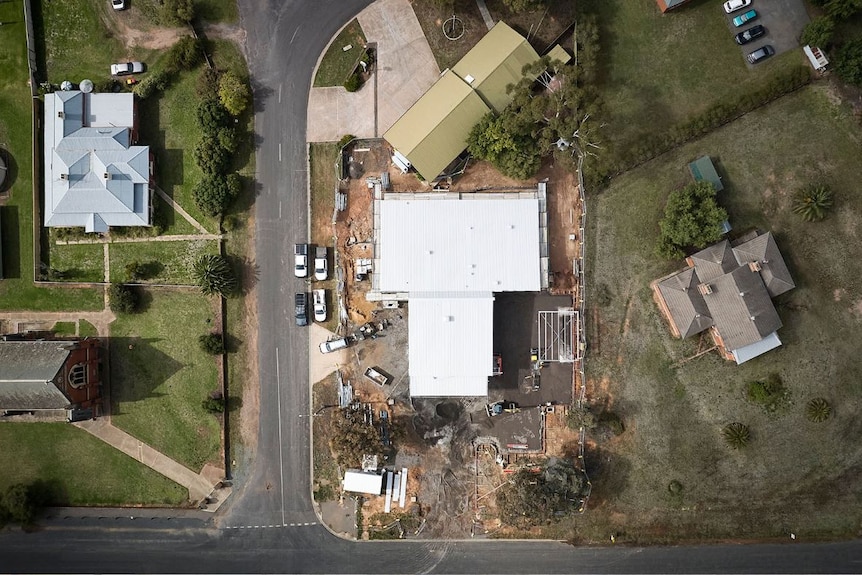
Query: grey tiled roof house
[95,177]
[728,290]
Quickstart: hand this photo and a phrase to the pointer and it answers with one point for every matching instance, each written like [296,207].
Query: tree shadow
[9,243]
[11,170]
[608,472]
[247,271]
[232,343]
[138,368]
[260,94]
[233,403]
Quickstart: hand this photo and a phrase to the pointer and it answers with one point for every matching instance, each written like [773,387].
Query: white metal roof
[743,354]
[363,482]
[451,344]
[433,244]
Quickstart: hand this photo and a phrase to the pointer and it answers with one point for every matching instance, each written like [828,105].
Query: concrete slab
[405,69]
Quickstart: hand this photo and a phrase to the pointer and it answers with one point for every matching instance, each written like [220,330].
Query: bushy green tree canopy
[692,218]
[848,62]
[234,93]
[215,276]
[819,32]
[514,154]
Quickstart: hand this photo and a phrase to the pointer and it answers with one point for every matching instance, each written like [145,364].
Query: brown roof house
[728,290]
[50,379]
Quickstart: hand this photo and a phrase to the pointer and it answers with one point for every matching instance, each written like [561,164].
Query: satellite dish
[66,85]
[86,86]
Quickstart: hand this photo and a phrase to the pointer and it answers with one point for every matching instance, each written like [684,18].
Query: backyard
[160,376]
[794,476]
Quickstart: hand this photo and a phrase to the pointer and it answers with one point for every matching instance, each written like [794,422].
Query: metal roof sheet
[743,354]
[451,343]
[458,245]
[27,369]
[363,482]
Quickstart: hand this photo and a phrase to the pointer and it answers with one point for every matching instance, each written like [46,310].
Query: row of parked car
[321,273]
[750,34]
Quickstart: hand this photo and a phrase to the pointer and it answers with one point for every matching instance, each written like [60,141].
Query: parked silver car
[126,68]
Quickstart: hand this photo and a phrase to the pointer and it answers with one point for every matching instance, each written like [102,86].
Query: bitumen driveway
[784,21]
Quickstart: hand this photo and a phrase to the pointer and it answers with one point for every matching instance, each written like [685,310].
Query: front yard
[160,376]
[795,476]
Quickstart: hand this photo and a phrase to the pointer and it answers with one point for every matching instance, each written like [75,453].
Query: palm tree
[818,410]
[812,203]
[214,275]
[736,435]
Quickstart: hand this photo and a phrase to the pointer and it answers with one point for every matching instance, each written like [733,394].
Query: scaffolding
[558,332]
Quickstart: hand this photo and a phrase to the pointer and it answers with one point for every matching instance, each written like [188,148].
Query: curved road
[269,525]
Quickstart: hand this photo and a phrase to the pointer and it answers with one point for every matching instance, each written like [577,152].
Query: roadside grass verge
[322,158]
[337,64]
[794,474]
[160,377]
[326,484]
[17,290]
[657,71]
[171,261]
[75,468]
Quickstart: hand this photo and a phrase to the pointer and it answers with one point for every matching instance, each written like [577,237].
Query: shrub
[353,82]
[228,139]
[813,203]
[848,62]
[215,276]
[581,417]
[737,435]
[818,32]
[186,54]
[214,402]
[612,422]
[135,271]
[156,81]
[212,343]
[818,410]
[212,116]
[123,299]
[215,193]
[675,487]
[207,83]
[210,157]
[345,139]
[234,93]
[178,11]
[18,504]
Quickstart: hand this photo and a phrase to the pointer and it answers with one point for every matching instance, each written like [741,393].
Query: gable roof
[27,369]
[434,130]
[773,270]
[94,177]
[688,311]
[494,63]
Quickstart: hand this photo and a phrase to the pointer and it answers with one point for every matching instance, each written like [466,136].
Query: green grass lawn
[64,328]
[795,474]
[173,260]
[158,385]
[658,70]
[337,64]
[17,290]
[431,15]
[86,329]
[80,263]
[78,469]
[322,157]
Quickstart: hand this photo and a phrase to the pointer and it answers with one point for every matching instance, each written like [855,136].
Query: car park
[118,4]
[751,34]
[321,271]
[761,54]
[300,260]
[734,5]
[319,304]
[126,68]
[301,309]
[743,18]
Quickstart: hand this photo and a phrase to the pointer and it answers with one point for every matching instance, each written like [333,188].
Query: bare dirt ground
[564,216]
[135,30]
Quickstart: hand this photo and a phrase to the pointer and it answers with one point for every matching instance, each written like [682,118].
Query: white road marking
[280,449]
[279,93]
[271,526]
[294,34]
[279,151]
[279,210]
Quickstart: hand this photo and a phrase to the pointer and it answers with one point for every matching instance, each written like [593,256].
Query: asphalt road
[258,532]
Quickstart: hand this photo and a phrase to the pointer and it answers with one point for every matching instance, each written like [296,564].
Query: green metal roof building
[434,130]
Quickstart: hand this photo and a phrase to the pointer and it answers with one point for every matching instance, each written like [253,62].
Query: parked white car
[300,260]
[734,5]
[126,68]
[118,4]
[334,345]
[321,271]
[319,296]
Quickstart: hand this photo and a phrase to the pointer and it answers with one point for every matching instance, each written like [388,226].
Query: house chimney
[64,176]
[704,289]
[754,266]
[60,114]
[107,175]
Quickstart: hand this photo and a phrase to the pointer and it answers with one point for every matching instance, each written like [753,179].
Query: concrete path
[179,209]
[405,70]
[99,319]
[176,238]
[199,487]
[486,16]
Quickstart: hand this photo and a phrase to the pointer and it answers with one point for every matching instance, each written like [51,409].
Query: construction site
[445,454]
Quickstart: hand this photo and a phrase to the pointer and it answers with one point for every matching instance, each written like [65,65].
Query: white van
[333,345]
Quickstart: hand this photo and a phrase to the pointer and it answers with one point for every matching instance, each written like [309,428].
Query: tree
[135,271]
[351,438]
[228,139]
[818,32]
[212,116]
[157,80]
[210,157]
[737,435]
[214,193]
[234,93]
[18,504]
[848,62]
[178,11]
[522,5]
[692,218]
[842,9]
[537,498]
[214,275]
[514,154]
[185,54]
[813,203]
[123,299]
[207,83]
[818,410]
[214,402]
[212,343]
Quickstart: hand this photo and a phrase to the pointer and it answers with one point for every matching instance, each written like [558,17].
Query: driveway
[405,70]
[783,20]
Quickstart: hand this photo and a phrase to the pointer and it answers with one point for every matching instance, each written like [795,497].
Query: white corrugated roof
[363,482]
[743,354]
[437,245]
[451,344]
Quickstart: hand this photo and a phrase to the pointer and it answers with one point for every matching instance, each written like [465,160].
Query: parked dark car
[301,309]
[750,34]
[761,54]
